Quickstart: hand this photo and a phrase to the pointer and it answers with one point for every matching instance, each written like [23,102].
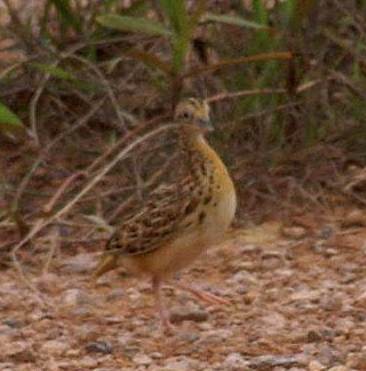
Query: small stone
[142,359]
[326,232]
[243,278]
[189,337]
[72,353]
[314,336]
[361,300]
[248,249]
[6,366]
[54,347]
[327,355]
[330,252]
[355,218]
[249,266]
[273,322]
[110,320]
[80,263]
[18,351]
[206,326]
[332,303]
[179,364]
[133,294]
[316,366]
[195,315]
[357,360]
[115,295]
[13,323]
[268,362]
[296,233]
[339,368]
[250,297]
[272,260]
[99,347]
[235,361]
[74,297]
[126,339]
[88,362]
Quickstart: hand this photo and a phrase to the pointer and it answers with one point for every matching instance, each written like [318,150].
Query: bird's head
[195,114]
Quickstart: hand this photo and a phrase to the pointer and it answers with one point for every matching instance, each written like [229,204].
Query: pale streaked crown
[193,111]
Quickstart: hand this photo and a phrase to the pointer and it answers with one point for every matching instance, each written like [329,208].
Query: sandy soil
[298,302]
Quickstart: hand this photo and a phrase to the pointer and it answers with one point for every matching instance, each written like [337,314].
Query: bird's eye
[185,115]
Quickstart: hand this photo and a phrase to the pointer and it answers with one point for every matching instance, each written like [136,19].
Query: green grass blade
[54,71]
[151,60]
[8,118]
[260,12]
[176,12]
[66,13]
[234,20]
[261,17]
[133,24]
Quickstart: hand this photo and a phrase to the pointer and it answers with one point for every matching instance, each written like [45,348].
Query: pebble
[189,337]
[339,368]
[81,263]
[133,294]
[88,362]
[216,336]
[361,300]
[72,353]
[247,249]
[330,251]
[316,366]
[142,359]
[74,297]
[355,218]
[115,295]
[243,278]
[268,362]
[6,366]
[296,233]
[181,363]
[195,315]
[357,360]
[246,266]
[235,361]
[332,303]
[326,232]
[54,347]
[13,323]
[99,347]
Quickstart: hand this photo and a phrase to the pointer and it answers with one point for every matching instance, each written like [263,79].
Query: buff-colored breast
[208,224]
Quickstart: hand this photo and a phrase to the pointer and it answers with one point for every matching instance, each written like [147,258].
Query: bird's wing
[157,223]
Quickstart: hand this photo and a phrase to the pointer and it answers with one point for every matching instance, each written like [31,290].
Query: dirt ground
[297,294]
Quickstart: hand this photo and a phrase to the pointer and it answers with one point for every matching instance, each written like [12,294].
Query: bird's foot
[204,295]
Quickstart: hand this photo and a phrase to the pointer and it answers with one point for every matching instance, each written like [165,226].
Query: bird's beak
[206,124]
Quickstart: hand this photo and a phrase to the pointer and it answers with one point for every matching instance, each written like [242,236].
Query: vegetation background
[87,86]
[82,78]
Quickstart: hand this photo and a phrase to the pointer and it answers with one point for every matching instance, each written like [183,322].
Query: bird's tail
[107,262]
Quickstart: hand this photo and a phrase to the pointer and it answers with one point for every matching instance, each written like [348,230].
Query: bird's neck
[203,160]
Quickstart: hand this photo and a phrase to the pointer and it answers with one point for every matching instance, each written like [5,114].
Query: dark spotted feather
[158,220]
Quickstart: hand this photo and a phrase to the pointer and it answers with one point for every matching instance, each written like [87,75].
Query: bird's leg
[160,305]
[203,295]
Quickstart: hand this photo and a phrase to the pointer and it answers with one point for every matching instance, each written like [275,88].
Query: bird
[179,222]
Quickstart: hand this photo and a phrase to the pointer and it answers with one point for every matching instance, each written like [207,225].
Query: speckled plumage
[182,220]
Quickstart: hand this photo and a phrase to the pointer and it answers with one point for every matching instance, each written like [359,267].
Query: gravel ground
[298,302]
